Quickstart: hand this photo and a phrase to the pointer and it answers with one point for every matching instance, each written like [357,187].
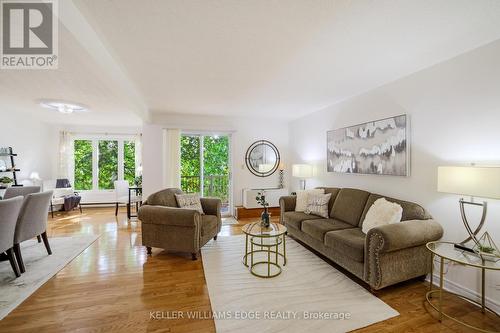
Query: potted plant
[6,181]
[265,216]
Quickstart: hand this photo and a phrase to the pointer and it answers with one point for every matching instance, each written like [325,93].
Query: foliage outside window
[215,165]
[108,164]
[129,161]
[83,165]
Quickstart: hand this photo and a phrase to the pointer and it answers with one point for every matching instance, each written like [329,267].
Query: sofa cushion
[208,225]
[295,219]
[303,197]
[349,205]
[318,228]
[348,242]
[411,211]
[334,191]
[382,212]
[318,205]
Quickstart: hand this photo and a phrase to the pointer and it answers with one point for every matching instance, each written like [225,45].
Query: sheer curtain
[172,158]
[66,151]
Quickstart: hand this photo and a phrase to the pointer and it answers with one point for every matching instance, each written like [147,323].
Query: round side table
[447,251]
[268,241]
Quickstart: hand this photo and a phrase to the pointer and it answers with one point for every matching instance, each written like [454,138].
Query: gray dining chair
[15,191]
[32,221]
[9,211]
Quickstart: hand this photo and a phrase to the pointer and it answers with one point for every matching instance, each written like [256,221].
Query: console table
[446,251]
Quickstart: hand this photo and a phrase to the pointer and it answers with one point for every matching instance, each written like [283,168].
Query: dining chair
[32,221]
[15,191]
[9,211]
[122,196]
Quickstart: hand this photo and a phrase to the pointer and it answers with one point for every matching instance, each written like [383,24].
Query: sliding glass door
[205,167]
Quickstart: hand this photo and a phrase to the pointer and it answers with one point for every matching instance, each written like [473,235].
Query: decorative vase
[265,217]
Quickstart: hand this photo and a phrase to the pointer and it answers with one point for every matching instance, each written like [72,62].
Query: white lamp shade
[34,176]
[472,181]
[302,170]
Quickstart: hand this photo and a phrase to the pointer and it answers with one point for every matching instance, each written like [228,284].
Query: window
[98,163]
[108,164]
[83,165]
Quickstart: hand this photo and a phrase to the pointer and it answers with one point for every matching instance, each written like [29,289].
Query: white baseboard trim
[461,290]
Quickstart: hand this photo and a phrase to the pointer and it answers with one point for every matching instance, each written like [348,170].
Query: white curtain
[66,152]
[138,155]
[172,158]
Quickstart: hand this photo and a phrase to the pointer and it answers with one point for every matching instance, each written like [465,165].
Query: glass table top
[255,229]
[448,251]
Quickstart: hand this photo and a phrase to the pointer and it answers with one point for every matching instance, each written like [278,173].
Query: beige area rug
[229,221]
[309,295]
[40,267]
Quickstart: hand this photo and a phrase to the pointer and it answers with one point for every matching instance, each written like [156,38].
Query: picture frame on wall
[379,147]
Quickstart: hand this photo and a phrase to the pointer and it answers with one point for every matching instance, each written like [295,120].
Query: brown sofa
[386,255]
[166,226]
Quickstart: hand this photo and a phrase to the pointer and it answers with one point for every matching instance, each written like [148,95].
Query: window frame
[95,158]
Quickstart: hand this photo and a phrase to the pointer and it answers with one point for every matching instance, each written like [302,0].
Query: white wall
[35,142]
[244,131]
[454,109]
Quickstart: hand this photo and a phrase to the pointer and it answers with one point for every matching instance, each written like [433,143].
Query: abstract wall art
[378,147]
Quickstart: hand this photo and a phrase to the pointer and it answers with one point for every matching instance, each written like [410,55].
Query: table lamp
[302,171]
[471,181]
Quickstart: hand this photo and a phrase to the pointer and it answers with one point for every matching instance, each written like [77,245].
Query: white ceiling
[274,58]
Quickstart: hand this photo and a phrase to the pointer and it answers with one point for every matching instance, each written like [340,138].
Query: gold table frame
[465,259]
[267,240]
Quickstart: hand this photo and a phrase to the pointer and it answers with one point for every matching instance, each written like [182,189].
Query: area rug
[309,295]
[40,267]
[229,221]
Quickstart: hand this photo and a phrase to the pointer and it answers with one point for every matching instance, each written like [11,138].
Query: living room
[227,166]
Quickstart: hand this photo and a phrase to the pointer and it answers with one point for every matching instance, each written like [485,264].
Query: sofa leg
[215,237]
[422,278]
[148,249]
[193,256]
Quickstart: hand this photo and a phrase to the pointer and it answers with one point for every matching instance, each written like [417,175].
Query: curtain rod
[101,133]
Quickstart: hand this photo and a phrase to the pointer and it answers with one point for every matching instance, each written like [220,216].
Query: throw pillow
[317,204]
[191,201]
[302,196]
[382,212]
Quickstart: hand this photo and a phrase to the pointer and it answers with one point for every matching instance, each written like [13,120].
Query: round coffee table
[269,244]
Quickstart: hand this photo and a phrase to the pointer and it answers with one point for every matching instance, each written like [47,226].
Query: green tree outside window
[129,161]
[83,165]
[108,164]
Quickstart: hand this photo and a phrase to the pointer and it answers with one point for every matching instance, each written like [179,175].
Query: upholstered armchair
[23,191]
[166,226]
[32,222]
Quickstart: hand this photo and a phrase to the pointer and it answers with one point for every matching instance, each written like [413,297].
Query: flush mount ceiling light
[63,107]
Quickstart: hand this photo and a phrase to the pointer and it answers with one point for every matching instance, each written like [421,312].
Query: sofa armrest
[287,203]
[405,234]
[172,216]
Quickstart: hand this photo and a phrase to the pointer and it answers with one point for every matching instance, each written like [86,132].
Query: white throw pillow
[382,212]
[191,201]
[303,195]
[317,204]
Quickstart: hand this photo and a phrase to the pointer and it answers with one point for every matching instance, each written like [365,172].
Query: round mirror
[262,158]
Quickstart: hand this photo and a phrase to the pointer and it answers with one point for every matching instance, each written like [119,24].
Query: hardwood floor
[114,286]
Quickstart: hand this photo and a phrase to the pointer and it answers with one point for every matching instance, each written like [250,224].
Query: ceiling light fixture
[63,107]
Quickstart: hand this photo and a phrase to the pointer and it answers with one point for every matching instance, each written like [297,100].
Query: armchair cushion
[211,206]
[406,234]
[191,201]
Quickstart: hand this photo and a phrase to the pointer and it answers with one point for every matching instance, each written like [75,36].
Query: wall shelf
[12,168]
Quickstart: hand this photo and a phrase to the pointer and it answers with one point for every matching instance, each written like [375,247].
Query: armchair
[166,226]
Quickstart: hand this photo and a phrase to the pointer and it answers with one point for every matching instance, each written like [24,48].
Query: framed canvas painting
[378,147]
